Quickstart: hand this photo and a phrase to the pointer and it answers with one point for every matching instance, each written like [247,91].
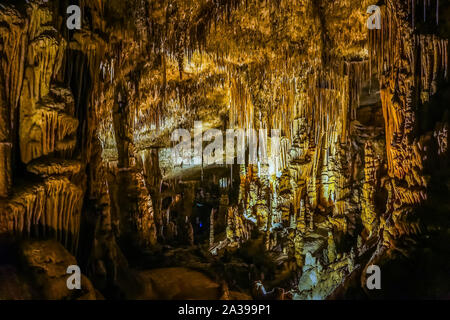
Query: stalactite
[49,209]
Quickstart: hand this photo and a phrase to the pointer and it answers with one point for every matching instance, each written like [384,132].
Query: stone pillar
[5,169]
[211,227]
[5,146]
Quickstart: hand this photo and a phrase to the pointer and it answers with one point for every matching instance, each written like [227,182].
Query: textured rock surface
[86,156]
[47,264]
[179,284]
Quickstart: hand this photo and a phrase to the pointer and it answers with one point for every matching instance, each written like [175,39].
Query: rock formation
[357,136]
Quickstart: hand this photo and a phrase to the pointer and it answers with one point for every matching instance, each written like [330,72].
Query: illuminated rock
[86,118]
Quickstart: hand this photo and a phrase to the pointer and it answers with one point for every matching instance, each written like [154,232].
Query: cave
[224,150]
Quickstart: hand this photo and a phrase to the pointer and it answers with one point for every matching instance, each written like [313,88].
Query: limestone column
[5,145]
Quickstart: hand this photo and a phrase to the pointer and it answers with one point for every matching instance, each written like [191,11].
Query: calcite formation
[53,207]
[360,176]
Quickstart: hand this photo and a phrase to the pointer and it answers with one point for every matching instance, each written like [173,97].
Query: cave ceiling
[357,122]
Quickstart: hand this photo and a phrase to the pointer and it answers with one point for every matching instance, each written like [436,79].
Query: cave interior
[224,149]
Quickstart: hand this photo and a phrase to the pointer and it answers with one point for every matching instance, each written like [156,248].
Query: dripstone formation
[87,169]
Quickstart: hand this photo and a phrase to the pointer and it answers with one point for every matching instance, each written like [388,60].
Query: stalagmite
[211,227]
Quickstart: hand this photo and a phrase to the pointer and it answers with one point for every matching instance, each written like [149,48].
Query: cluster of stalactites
[425,10]
[332,99]
[32,55]
[319,121]
[387,46]
[51,209]
[394,49]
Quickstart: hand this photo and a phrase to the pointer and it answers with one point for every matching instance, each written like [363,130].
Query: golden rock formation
[86,118]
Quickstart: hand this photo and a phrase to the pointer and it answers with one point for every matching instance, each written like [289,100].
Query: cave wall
[86,118]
